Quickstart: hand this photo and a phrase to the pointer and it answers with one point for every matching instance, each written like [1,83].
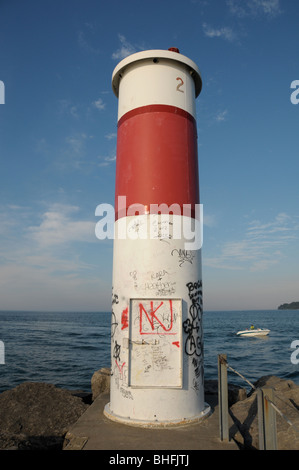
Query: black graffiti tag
[192,326]
[114,324]
[116,351]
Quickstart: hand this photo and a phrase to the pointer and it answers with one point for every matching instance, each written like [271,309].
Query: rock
[235,393]
[244,414]
[86,397]
[36,416]
[100,382]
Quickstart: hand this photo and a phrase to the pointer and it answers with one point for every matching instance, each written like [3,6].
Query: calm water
[67,348]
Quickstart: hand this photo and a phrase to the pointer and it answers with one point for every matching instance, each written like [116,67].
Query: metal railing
[267,409]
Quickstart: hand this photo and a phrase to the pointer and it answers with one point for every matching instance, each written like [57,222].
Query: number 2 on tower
[180,84]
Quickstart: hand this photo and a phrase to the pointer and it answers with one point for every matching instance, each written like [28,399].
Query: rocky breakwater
[36,416]
[245,415]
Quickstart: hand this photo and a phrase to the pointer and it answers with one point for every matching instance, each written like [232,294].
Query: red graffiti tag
[156,324]
[176,343]
[124,319]
[120,368]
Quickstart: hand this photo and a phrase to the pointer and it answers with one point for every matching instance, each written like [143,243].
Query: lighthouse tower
[157,371]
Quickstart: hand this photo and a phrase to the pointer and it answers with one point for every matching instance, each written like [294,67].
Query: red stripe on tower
[157,158]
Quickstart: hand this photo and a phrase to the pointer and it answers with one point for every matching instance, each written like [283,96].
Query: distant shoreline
[290,306]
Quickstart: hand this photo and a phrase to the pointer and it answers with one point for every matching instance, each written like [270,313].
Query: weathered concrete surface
[93,431]
[243,422]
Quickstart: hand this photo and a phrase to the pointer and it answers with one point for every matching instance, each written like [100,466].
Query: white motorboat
[253,332]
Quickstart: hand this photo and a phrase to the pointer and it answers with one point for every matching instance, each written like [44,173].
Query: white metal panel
[155,346]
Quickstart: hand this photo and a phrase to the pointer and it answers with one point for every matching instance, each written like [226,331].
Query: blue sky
[58,144]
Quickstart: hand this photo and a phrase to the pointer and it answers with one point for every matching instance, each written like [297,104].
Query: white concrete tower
[156,332]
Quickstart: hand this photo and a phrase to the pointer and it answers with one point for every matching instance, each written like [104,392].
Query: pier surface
[94,431]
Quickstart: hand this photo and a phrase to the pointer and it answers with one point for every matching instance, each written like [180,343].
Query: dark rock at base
[245,416]
[36,416]
[85,396]
[235,393]
[100,382]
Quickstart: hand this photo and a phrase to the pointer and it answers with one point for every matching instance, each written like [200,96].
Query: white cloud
[66,107]
[73,153]
[44,239]
[84,43]
[125,49]
[262,245]
[269,7]
[105,161]
[221,116]
[58,227]
[6,224]
[110,159]
[28,287]
[244,8]
[283,225]
[76,142]
[41,268]
[223,33]
[111,136]
[209,220]
[74,111]
[237,8]
[99,104]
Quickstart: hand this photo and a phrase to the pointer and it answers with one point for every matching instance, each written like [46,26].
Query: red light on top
[174,49]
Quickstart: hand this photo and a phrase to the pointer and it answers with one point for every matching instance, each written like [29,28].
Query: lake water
[67,348]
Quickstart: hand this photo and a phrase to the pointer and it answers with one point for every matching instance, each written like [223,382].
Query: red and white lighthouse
[157,366]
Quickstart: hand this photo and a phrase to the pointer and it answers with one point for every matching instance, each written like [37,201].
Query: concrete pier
[93,431]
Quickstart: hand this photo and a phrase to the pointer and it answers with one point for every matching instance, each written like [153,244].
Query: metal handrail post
[266,419]
[223,397]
